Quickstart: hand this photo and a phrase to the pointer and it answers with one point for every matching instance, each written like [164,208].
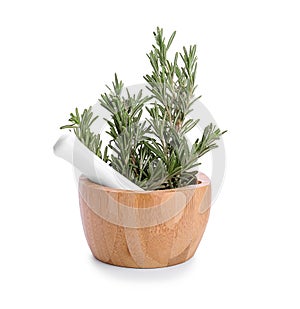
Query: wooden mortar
[144,229]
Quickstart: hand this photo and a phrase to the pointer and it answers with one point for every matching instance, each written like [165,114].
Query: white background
[56,55]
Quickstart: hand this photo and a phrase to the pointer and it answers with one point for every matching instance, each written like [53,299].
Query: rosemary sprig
[173,86]
[81,125]
[130,156]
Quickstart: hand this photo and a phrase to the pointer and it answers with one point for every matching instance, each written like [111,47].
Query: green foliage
[153,153]
[130,156]
[81,125]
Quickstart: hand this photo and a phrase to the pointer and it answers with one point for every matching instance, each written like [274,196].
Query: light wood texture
[144,229]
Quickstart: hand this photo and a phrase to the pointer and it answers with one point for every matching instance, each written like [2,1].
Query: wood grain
[144,229]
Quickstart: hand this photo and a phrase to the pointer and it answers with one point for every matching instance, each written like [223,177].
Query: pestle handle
[69,148]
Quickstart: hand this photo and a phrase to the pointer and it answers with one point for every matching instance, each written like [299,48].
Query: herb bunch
[153,153]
